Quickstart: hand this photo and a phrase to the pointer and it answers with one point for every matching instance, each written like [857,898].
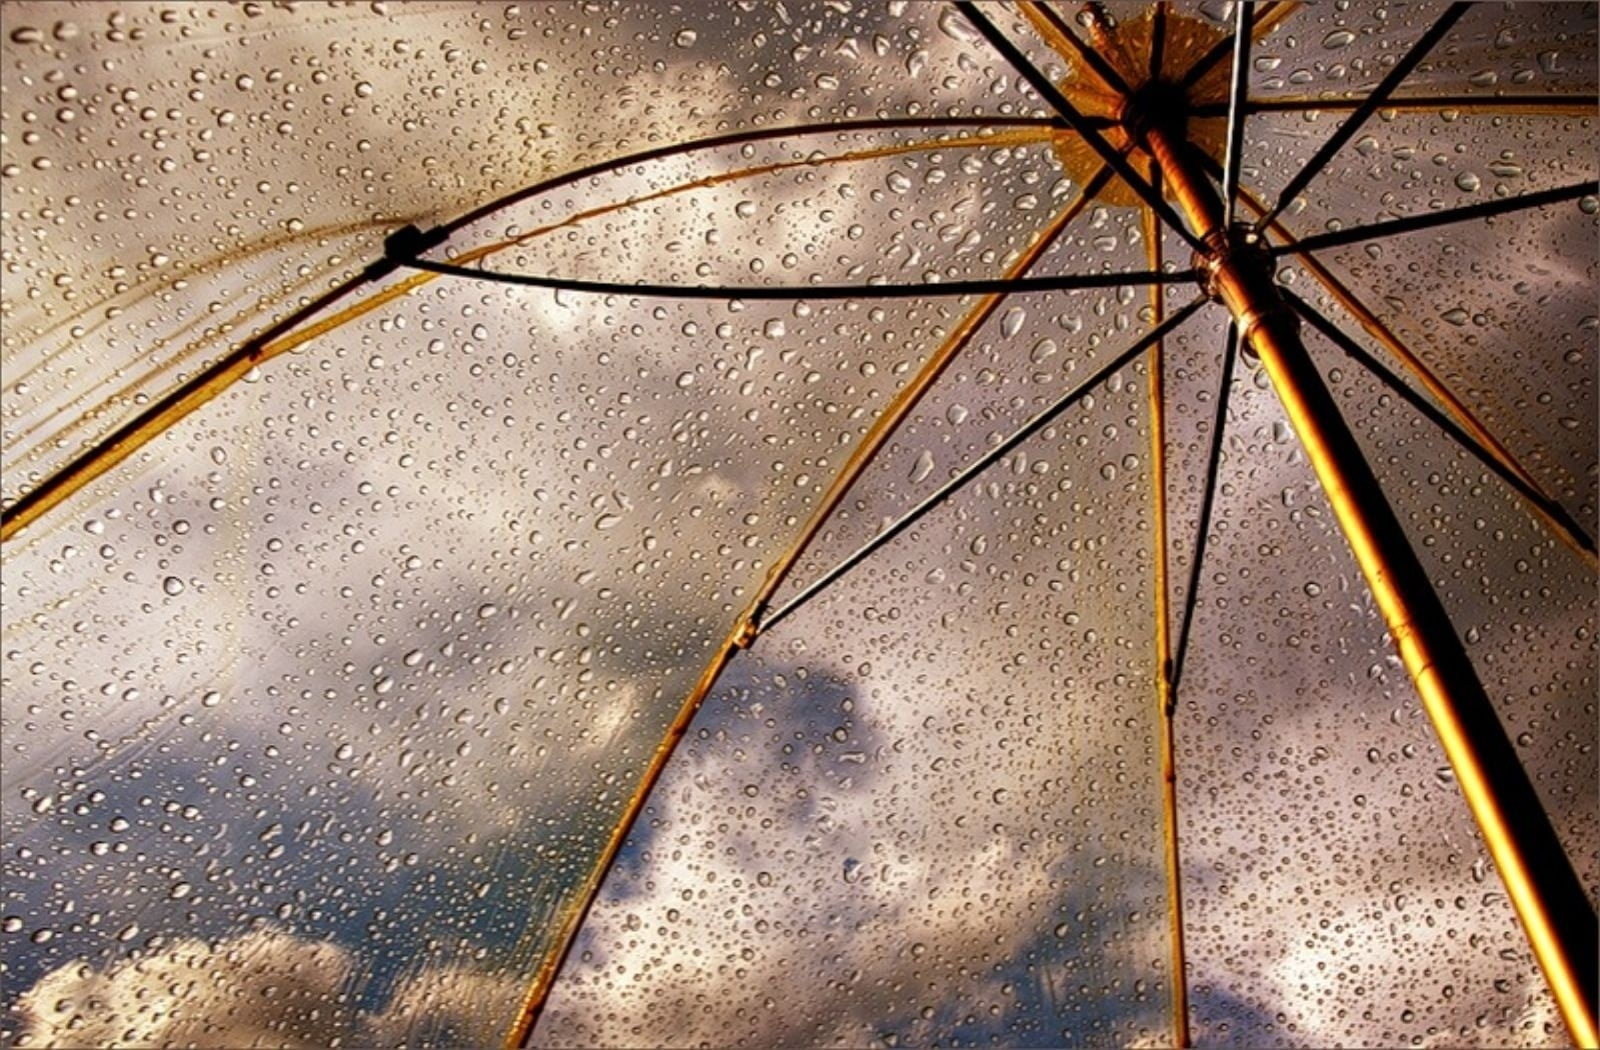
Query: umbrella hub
[1166,78]
[1159,104]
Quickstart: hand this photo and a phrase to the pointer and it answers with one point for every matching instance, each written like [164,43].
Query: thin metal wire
[1413,223]
[1191,597]
[1553,512]
[1059,102]
[1370,105]
[812,292]
[1238,90]
[1043,419]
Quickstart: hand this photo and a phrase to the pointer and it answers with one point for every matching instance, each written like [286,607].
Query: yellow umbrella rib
[1166,701]
[747,627]
[223,373]
[1271,17]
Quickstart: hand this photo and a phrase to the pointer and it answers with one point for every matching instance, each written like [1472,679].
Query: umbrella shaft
[1548,898]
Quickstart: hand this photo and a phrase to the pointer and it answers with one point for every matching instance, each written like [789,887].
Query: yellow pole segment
[1545,892]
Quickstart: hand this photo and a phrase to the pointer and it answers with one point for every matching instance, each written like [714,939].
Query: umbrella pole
[1549,900]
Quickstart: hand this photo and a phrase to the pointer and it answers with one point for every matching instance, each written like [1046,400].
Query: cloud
[264,988]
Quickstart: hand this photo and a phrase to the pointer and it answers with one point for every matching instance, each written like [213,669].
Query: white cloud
[264,988]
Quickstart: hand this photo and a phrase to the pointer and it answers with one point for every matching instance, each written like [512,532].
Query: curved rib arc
[287,334]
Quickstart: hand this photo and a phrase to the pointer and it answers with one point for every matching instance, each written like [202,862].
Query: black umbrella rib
[988,459]
[1076,120]
[1158,38]
[1370,105]
[1191,597]
[1412,223]
[1556,513]
[1238,92]
[810,293]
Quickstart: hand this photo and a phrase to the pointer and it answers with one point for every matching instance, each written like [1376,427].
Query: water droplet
[1337,39]
[1468,181]
[172,585]
[685,38]
[923,466]
[955,27]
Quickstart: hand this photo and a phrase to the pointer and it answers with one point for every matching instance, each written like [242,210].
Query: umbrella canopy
[445,446]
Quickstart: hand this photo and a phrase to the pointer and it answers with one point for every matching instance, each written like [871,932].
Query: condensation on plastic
[317,709]
[926,808]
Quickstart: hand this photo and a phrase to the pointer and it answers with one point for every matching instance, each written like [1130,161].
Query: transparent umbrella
[621,525]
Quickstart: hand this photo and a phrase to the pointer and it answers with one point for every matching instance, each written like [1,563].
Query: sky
[317,709]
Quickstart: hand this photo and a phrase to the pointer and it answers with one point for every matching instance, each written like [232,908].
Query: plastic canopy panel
[929,812]
[332,692]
